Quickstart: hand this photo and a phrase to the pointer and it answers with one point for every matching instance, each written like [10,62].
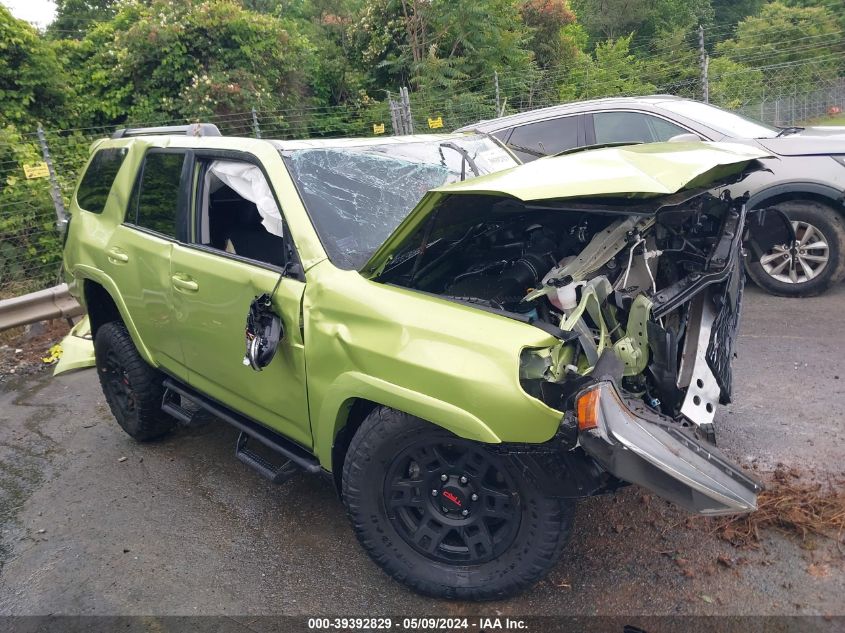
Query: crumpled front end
[638,445]
[640,287]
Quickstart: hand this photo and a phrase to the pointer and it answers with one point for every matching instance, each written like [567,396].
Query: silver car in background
[805,178]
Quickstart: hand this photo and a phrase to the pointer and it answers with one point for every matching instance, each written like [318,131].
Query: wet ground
[93,523]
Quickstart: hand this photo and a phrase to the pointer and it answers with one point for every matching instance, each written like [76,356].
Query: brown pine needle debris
[792,506]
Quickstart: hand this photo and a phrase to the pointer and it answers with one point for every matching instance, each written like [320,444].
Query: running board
[276,474]
[294,453]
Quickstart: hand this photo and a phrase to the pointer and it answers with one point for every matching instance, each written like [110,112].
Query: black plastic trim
[295,453]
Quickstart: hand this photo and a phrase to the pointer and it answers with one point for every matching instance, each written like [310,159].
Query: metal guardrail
[52,303]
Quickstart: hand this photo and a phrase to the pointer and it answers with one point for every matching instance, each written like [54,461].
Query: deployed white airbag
[248,182]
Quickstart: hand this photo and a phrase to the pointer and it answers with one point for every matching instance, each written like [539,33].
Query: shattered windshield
[357,196]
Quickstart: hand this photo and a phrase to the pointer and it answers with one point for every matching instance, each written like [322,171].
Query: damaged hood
[633,172]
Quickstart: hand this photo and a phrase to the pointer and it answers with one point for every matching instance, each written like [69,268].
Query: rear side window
[155,199]
[97,181]
[531,141]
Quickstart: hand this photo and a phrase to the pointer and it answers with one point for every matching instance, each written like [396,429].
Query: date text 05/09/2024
[480,624]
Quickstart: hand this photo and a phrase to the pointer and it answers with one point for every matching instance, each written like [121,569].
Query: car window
[238,213]
[156,196]
[544,138]
[664,130]
[633,127]
[96,183]
[357,196]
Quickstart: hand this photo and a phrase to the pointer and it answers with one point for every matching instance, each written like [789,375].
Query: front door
[229,259]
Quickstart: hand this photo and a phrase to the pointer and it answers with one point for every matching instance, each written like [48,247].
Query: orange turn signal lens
[588,410]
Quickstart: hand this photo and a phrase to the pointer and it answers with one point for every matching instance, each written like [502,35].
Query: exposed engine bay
[656,282]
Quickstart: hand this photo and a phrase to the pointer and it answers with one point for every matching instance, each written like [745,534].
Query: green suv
[463,345]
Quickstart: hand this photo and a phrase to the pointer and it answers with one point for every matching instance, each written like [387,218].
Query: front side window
[238,213]
[155,199]
[96,183]
[633,127]
[544,138]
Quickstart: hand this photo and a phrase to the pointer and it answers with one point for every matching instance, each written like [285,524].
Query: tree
[608,19]
[31,80]
[793,43]
[551,41]
[181,60]
[728,13]
[436,43]
[650,20]
[74,18]
[612,70]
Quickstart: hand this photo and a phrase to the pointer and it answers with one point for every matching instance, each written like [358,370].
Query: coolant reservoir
[565,297]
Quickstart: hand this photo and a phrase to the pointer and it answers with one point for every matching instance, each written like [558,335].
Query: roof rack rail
[194,129]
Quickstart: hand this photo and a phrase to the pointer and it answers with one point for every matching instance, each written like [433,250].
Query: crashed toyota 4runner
[463,345]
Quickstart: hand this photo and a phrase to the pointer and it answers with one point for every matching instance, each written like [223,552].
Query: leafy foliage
[31,80]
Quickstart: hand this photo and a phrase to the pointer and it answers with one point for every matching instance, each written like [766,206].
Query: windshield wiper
[527,150]
[465,159]
[786,131]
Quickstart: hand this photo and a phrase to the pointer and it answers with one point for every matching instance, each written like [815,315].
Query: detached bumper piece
[640,446]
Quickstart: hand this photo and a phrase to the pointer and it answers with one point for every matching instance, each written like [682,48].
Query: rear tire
[487,534]
[132,388]
[823,254]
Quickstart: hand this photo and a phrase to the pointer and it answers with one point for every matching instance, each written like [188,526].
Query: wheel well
[101,307]
[802,195]
[358,410]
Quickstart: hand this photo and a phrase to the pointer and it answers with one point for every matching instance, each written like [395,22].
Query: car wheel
[816,259]
[448,517]
[132,388]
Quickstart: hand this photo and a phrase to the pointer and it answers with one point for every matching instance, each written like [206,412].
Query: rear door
[230,258]
[137,256]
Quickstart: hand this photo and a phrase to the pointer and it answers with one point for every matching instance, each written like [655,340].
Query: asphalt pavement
[96,524]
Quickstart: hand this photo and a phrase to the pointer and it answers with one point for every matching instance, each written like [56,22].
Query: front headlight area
[640,446]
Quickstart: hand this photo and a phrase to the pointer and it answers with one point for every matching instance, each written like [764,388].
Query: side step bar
[296,456]
[276,474]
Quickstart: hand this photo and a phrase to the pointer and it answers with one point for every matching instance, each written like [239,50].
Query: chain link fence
[38,173]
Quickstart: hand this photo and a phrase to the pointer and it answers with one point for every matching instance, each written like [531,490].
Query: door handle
[183,282]
[117,256]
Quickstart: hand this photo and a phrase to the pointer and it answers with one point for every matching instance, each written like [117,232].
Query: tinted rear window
[97,181]
[156,197]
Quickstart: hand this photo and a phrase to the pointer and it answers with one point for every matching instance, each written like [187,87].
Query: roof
[493,125]
[180,139]
[332,143]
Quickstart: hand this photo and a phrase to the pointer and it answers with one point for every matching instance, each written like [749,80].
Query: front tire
[132,388]
[816,261]
[448,517]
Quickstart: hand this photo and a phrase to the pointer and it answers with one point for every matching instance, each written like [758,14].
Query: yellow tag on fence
[378,128]
[36,170]
[435,123]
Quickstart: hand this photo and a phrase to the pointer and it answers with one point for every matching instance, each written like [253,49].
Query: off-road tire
[136,402]
[832,226]
[543,530]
